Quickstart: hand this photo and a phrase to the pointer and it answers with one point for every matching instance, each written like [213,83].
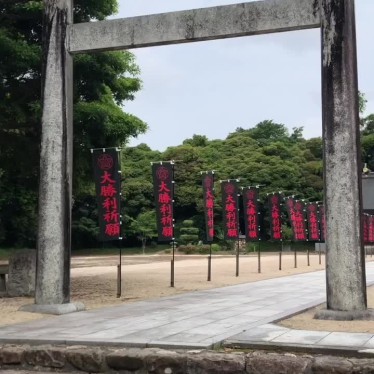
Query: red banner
[108,192]
[296,216]
[251,213]
[313,226]
[275,216]
[230,208]
[163,186]
[208,192]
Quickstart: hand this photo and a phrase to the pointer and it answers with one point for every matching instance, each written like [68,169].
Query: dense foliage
[266,155]
[102,84]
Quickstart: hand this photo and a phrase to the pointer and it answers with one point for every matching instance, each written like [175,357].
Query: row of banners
[307,219]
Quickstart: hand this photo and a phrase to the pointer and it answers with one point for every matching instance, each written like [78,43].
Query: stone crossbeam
[229,21]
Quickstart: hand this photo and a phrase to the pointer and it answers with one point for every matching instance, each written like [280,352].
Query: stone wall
[161,361]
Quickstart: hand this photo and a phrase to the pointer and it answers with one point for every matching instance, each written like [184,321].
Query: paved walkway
[240,313]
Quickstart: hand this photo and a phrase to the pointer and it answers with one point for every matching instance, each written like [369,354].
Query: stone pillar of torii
[346,284]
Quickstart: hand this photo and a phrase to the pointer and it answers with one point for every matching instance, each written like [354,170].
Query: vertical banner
[295,209]
[208,196]
[163,187]
[322,222]
[230,206]
[251,213]
[107,176]
[275,216]
[371,229]
[312,218]
[365,218]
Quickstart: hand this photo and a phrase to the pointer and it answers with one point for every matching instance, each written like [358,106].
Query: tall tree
[103,82]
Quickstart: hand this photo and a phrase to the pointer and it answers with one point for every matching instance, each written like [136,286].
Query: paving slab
[241,313]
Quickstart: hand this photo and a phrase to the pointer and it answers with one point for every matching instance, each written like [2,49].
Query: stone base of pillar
[339,315]
[56,309]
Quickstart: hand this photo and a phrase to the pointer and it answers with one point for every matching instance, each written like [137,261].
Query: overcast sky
[211,88]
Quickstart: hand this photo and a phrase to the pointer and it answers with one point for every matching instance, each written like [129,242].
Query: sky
[211,88]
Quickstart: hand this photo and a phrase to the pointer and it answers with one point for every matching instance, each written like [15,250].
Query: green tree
[103,83]
[144,227]
[188,233]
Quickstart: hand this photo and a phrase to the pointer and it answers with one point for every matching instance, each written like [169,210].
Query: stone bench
[4,271]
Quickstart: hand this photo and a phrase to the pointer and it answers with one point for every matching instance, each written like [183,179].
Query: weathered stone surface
[45,356]
[91,360]
[56,309]
[210,363]
[149,360]
[338,315]
[161,361]
[345,275]
[22,270]
[248,18]
[11,355]
[362,365]
[126,359]
[270,363]
[55,187]
[332,365]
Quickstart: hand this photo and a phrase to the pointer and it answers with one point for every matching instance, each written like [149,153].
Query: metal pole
[119,273]
[259,258]
[319,252]
[210,263]
[172,269]
[237,259]
[280,256]
[173,242]
[307,255]
[295,256]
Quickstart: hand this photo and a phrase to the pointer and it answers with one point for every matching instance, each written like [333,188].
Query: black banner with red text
[230,206]
[251,213]
[108,192]
[313,225]
[274,202]
[295,209]
[208,196]
[163,186]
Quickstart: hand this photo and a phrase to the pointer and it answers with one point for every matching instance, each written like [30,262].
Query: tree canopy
[102,84]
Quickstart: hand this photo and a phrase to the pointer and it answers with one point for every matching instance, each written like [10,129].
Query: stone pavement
[238,315]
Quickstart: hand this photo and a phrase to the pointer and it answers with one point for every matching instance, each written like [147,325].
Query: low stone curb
[159,361]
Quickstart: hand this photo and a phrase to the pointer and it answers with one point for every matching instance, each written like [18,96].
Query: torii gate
[346,288]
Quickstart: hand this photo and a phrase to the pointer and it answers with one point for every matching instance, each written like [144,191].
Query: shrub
[216,247]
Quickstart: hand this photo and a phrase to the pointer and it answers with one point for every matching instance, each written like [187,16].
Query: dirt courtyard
[94,282]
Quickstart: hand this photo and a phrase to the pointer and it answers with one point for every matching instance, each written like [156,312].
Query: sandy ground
[94,282]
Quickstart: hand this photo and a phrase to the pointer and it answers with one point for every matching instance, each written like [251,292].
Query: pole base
[340,315]
[56,309]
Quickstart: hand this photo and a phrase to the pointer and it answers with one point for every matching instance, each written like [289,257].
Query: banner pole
[295,255]
[307,255]
[237,258]
[280,257]
[210,263]
[172,268]
[119,273]
[259,258]
[319,252]
[172,261]
[119,276]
